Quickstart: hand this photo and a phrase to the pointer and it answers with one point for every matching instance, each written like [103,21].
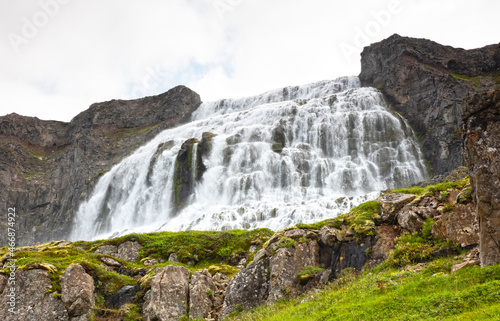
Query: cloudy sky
[59,56]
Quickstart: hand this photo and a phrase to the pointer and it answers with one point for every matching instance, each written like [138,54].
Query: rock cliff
[426,82]
[481,136]
[47,168]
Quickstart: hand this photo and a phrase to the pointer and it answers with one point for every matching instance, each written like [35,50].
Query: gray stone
[110,250]
[168,299]
[32,301]
[129,251]
[329,235]
[77,291]
[248,289]
[173,258]
[481,134]
[410,220]
[390,205]
[202,293]
[110,262]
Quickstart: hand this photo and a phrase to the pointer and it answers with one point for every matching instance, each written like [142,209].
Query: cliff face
[426,82]
[47,168]
[481,135]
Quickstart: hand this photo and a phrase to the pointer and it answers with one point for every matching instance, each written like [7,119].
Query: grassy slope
[393,294]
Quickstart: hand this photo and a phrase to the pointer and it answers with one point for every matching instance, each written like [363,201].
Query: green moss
[448,207]
[474,81]
[414,248]
[286,242]
[361,219]
[427,228]
[123,133]
[433,189]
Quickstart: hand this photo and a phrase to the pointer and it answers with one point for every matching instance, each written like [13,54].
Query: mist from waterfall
[339,146]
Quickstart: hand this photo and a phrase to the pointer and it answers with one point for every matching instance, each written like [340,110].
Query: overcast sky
[59,56]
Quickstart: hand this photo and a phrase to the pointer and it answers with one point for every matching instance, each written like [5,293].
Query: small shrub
[427,228]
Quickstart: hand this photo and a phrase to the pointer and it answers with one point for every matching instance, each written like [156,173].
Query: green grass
[360,219]
[432,189]
[392,294]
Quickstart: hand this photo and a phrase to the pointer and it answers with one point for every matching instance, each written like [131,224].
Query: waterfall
[297,154]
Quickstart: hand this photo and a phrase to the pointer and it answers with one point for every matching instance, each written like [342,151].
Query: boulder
[124,295]
[32,300]
[390,204]
[410,220]
[111,250]
[329,235]
[248,289]
[168,297]
[202,293]
[129,251]
[286,265]
[460,225]
[77,292]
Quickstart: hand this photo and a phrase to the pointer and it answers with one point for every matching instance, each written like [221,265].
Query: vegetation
[432,189]
[395,294]
[361,219]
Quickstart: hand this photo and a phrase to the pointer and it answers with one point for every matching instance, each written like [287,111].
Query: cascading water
[299,154]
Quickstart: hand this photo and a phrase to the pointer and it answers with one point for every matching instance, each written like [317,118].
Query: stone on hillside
[32,301]
[173,258]
[77,291]
[410,220]
[391,204]
[460,225]
[248,289]
[124,295]
[110,250]
[202,292]
[129,251]
[299,233]
[168,297]
[110,262]
[259,255]
[384,242]
[329,235]
[286,265]
[3,282]
[456,267]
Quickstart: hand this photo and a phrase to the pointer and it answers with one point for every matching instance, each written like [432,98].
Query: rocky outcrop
[248,289]
[77,292]
[168,297]
[32,302]
[202,292]
[124,295]
[129,251]
[426,82]
[48,168]
[481,139]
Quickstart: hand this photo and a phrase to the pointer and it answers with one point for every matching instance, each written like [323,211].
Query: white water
[342,147]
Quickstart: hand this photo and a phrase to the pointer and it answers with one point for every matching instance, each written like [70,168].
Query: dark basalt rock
[123,296]
[47,168]
[426,82]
